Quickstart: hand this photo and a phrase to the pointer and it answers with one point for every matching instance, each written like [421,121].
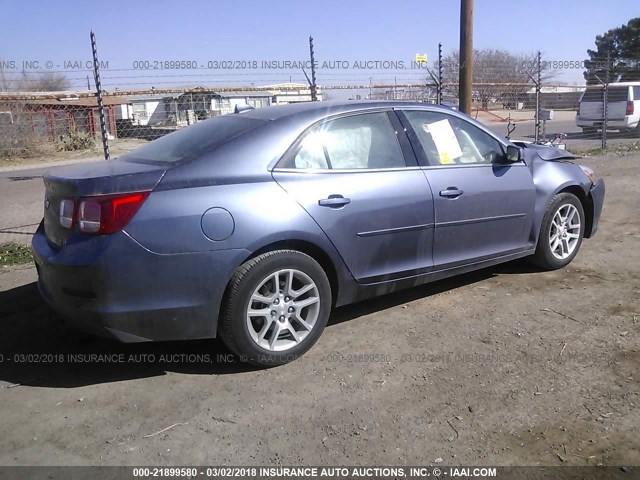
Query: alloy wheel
[564,234]
[283,310]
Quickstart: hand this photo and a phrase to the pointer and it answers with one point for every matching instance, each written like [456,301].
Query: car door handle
[334,201]
[451,192]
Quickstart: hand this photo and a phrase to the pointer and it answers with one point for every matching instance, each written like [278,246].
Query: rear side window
[636,93]
[592,95]
[618,94]
[366,141]
[614,94]
[194,140]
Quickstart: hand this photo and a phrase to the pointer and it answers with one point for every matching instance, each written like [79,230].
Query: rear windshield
[192,141]
[615,94]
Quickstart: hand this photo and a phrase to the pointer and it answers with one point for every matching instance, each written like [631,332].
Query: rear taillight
[66,213]
[90,216]
[101,215]
[629,108]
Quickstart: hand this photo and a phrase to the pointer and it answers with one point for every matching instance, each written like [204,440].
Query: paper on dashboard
[445,140]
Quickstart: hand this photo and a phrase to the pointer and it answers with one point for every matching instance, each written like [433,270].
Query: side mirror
[242,108]
[514,154]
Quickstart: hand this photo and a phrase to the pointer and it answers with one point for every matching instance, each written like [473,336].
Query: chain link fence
[530,107]
[37,124]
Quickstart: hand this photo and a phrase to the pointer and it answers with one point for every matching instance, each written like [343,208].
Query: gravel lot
[506,366]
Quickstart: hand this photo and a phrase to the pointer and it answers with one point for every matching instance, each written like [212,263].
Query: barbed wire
[143,104]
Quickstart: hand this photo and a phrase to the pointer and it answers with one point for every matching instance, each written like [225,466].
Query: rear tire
[276,308]
[561,232]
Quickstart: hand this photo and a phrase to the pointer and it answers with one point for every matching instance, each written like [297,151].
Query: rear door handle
[451,192]
[334,201]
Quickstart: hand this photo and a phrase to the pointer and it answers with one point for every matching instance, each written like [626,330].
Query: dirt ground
[506,366]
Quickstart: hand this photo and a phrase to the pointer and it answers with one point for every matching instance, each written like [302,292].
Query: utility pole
[466,55]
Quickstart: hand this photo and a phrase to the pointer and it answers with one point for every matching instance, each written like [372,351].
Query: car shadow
[38,350]
[350,312]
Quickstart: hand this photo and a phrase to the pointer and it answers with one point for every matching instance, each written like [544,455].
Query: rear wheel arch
[276,306]
[303,246]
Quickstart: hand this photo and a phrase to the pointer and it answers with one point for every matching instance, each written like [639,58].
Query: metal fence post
[538,85]
[605,103]
[96,75]
[314,91]
[439,84]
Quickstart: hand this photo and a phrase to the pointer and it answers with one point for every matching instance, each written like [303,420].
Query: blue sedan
[253,226]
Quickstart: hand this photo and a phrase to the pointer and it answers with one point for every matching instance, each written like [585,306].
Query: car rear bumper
[112,286]
[596,195]
[619,124]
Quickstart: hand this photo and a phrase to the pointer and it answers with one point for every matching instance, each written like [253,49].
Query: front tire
[561,232]
[276,307]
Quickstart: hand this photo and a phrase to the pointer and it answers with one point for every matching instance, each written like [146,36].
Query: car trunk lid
[85,180]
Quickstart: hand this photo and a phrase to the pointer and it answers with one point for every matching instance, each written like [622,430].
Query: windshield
[194,140]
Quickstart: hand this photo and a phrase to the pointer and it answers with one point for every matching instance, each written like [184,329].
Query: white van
[623,108]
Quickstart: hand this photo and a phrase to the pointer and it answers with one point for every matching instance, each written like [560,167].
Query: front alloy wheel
[561,232]
[564,234]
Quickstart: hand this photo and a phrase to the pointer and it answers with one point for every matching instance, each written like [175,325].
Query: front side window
[366,141]
[449,140]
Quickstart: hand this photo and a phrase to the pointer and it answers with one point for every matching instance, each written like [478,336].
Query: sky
[240,32]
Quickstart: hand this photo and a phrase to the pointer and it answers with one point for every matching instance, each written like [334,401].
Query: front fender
[553,177]
[596,201]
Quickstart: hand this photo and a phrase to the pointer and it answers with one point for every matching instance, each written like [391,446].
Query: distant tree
[15,81]
[6,82]
[492,70]
[622,44]
[43,82]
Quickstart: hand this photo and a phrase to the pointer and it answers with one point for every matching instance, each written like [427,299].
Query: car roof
[317,110]
[304,114]
[300,116]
